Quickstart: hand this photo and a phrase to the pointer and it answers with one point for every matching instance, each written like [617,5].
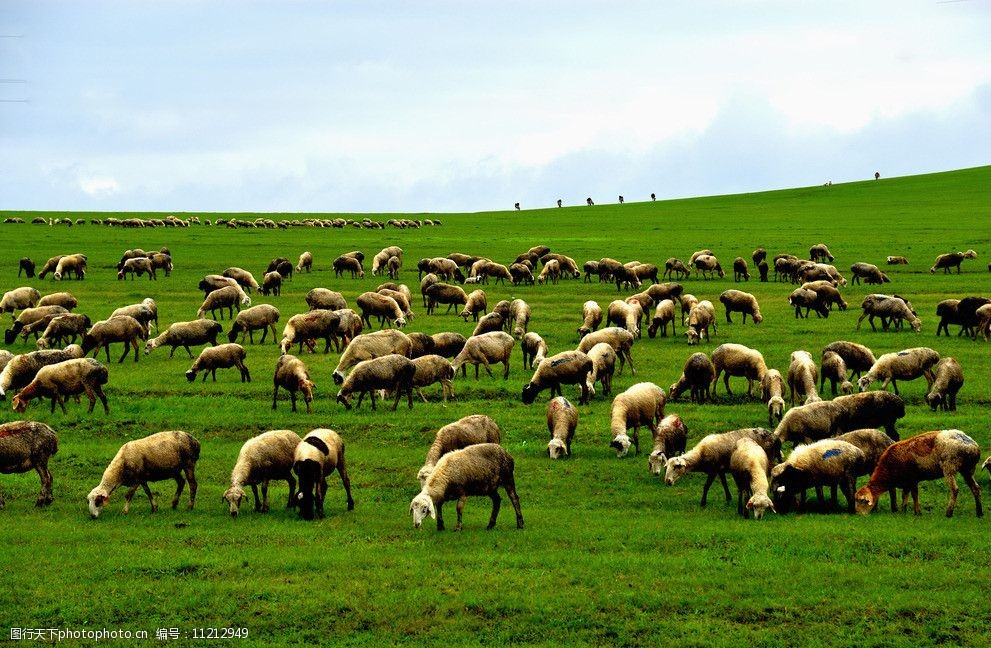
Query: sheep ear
[749,506]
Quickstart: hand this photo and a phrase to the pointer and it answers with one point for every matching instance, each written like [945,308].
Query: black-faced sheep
[222,356]
[619,339]
[466,431]
[486,349]
[951,260]
[772,388]
[640,405]
[317,456]
[26,445]
[165,455]
[697,376]
[371,345]
[430,369]
[479,469]
[802,377]
[924,457]
[712,456]
[700,318]
[903,365]
[393,372]
[748,463]
[741,302]
[591,318]
[562,420]
[829,462]
[738,360]
[534,350]
[291,375]
[948,381]
[670,438]
[824,419]
[565,368]
[263,458]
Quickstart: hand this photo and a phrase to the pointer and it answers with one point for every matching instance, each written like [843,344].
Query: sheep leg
[629,358]
[711,477]
[321,491]
[292,398]
[91,396]
[967,477]
[45,476]
[129,495]
[371,395]
[440,516]
[485,363]
[420,393]
[726,382]
[915,500]
[106,348]
[893,493]
[264,506]
[275,393]
[951,481]
[258,505]
[292,491]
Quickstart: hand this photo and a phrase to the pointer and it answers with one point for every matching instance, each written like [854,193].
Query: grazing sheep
[619,339]
[291,375]
[591,318]
[697,376]
[122,328]
[670,437]
[700,318]
[71,264]
[872,443]
[49,266]
[26,445]
[625,315]
[262,317]
[392,372]
[565,368]
[550,272]
[971,318]
[493,321]
[891,309]
[371,345]
[38,326]
[325,299]
[479,469]
[819,271]
[442,293]
[641,404]
[823,419]
[382,306]
[869,273]
[66,300]
[146,313]
[19,299]
[924,457]
[819,252]
[663,315]
[897,260]
[227,297]
[521,274]
[186,334]
[707,264]
[30,316]
[319,453]
[858,358]
[741,302]
[908,364]
[738,360]
[712,456]
[26,265]
[477,303]
[590,268]
[688,302]
[809,300]
[748,463]
[827,294]
[534,350]
[829,462]
[834,369]
[447,344]
[984,321]
[951,260]
[222,356]
[244,278]
[486,349]
[948,312]
[466,431]
[430,369]
[263,458]
[519,317]
[758,255]
[772,388]
[562,420]
[674,267]
[603,358]
[428,280]
[381,260]
[305,262]
[762,269]
[165,455]
[344,264]
[948,381]
[740,269]
[137,267]
[312,325]
[697,254]
[272,283]
[20,370]
[802,377]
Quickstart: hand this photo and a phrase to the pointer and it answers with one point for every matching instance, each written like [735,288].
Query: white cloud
[99,186]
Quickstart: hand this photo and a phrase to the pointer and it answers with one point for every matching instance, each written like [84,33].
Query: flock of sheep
[834,441]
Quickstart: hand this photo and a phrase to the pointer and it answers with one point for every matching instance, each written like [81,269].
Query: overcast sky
[467,106]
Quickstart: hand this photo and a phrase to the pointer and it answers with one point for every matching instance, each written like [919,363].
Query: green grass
[609,554]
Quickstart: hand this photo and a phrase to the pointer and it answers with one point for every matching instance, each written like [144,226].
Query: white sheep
[393,372]
[640,405]
[228,297]
[618,338]
[477,303]
[670,437]
[263,458]
[738,360]
[21,369]
[466,431]
[165,455]
[534,350]
[603,359]
[700,318]
[565,368]
[372,345]
[479,469]
[908,364]
[319,453]
[625,315]
[834,369]
[519,317]
[948,381]
[291,375]
[486,349]
[19,299]
[222,356]
[430,369]
[68,378]
[772,393]
[562,420]
[802,377]
[591,318]
[663,314]
[748,464]
[186,334]
[26,445]
[828,462]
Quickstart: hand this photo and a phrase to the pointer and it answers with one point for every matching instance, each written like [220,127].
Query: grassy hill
[609,555]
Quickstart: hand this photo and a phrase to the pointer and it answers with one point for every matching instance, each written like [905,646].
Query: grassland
[609,554]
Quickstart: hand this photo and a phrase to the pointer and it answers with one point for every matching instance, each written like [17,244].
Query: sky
[451,106]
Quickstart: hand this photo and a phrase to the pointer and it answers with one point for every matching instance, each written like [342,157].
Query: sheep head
[865,382]
[916,324]
[233,496]
[556,449]
[530,392]
[621,443]
[674,469]
[97,498]
[656,462]
[693,336]
[866,500]
[191,375]
[344,399]
[759,504]
[775,408]
[421,507]
[20,404]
